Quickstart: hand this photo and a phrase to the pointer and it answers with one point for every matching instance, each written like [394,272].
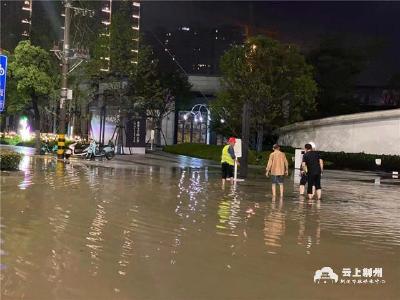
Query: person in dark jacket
[313,165]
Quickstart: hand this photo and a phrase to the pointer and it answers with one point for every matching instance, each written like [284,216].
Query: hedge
[355,161]
[9,160]
[213,152]
[332,160]
[361,161]
[10,140]
[16,141]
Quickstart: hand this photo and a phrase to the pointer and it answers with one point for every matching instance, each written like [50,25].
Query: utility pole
[245,139]
[246,113]
[64,80]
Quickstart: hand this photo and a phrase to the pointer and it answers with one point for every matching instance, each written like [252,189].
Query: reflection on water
[228,213]
[85,231]
[309,224]
[274,226]
[24,167]
[95,237]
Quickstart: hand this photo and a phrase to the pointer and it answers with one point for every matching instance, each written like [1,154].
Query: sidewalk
[167,159]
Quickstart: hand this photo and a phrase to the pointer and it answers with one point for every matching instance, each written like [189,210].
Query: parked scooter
[46,149]
[74,150]
[109,150]
[95,150]
[91,151]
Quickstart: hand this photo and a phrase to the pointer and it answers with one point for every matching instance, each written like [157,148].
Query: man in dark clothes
[303,176]
[313,165]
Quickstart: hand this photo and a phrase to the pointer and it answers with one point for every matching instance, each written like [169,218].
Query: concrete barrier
[372,132]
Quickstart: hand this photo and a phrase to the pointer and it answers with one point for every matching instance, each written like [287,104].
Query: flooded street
[157,229]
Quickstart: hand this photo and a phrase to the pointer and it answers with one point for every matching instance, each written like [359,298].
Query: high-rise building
[195,49]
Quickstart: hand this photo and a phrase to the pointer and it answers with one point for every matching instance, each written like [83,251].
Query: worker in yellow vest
[228,160]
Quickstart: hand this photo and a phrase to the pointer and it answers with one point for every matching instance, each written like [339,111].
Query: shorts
[313,180]
[277,179]
[227,170]
[303,179]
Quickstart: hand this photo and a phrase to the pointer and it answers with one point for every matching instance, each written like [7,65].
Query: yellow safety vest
[226,157]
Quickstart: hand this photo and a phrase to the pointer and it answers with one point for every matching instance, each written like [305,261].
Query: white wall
[373,132]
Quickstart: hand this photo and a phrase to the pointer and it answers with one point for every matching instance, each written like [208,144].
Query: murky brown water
[142,231]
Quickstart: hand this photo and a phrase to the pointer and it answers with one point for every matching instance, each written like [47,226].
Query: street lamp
[249,55]
[197,112]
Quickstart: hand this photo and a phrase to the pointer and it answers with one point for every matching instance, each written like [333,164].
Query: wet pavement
[161,226]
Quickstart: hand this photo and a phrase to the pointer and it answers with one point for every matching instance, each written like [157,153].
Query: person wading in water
[228,160]
[313,165]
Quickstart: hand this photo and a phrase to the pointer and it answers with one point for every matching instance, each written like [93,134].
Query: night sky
[302,23]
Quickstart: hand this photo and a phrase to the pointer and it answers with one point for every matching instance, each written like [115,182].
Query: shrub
[213,152]
[30,143]
[354,161]
[332,160]
[9,160]
[10,140]
[361,161]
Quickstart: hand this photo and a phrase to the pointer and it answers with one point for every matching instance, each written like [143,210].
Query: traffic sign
[3,77]
[238,148]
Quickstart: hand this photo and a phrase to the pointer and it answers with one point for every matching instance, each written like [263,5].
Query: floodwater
[157,229]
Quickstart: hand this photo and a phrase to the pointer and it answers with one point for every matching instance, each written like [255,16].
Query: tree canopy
[337,68]
[32,75]
[272,77]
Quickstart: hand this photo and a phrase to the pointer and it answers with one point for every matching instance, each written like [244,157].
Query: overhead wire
[176,62]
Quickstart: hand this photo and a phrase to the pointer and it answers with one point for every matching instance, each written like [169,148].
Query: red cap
[232,140]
